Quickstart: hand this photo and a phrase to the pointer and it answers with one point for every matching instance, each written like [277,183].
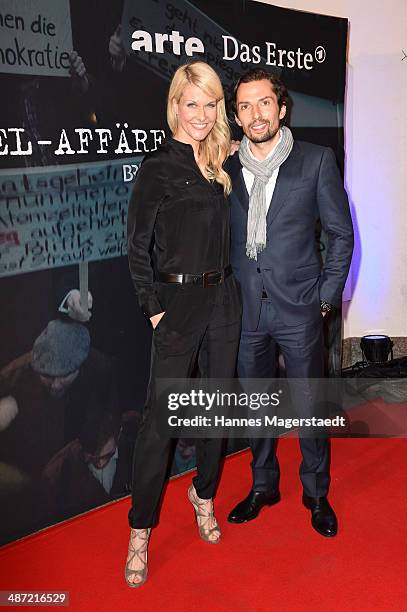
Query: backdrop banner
[70,149]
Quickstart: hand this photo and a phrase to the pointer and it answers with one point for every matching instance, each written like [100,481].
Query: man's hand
[78,72]
[325,307]
[117,51]
[75,309]
[234,146]
[156,319]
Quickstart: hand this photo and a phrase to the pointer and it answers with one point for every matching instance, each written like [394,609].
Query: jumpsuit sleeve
[147,196]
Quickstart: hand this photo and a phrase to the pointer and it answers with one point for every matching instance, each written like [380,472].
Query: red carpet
[277,562]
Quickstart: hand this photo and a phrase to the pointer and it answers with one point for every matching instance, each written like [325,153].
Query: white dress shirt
[106,474]
[249,177]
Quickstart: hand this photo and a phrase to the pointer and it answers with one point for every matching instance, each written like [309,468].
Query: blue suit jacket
[290,269]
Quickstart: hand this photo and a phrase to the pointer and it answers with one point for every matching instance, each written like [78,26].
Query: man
[47,394]
[285,292]
[88,472]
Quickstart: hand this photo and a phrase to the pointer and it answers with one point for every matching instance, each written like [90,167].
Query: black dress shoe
[249,508]
[323,517]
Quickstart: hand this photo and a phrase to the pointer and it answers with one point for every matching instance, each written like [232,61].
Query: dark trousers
[199,326]
[302,349]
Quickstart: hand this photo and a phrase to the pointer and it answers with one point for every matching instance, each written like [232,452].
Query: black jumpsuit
[179,223]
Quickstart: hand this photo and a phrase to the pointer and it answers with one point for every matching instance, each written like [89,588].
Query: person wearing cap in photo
[47,394]
[58,354]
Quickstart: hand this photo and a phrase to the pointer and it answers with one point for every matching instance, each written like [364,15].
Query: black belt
[206,279]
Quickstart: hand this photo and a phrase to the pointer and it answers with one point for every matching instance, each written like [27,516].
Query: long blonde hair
[214,149]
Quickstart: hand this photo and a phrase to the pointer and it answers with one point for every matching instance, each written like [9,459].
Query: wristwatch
[325,306]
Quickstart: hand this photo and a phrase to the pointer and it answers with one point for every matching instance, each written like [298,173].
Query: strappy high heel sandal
[204,518]
[144,535]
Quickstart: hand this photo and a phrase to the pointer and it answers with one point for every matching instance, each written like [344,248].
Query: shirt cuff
[151,306]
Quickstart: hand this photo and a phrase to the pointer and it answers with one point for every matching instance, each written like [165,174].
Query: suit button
[258,270]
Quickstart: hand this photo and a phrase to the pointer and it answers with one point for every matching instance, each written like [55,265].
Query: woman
[178,244]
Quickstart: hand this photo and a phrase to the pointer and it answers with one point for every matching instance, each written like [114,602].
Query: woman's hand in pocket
[156,319]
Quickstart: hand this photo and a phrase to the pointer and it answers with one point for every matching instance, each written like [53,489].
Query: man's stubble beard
[269,135]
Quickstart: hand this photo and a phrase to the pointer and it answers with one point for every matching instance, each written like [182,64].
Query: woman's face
[196,115]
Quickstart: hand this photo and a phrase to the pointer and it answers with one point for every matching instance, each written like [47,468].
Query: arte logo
[270,53]
[143,41]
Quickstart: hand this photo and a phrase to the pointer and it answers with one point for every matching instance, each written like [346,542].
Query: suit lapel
[288,175]
[239,186]
[241,191]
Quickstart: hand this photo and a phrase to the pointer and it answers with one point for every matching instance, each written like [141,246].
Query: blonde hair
[214,149]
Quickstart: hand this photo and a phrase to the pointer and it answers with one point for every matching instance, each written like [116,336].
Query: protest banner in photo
[35,37]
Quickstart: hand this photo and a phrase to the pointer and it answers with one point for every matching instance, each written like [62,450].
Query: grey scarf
[262,170]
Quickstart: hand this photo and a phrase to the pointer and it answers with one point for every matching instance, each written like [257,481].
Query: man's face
[57,386]
[102,458]
[257,110]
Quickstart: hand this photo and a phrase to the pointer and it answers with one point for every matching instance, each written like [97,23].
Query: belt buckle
[205,278]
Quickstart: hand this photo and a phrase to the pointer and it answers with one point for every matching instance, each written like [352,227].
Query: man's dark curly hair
[258,74]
